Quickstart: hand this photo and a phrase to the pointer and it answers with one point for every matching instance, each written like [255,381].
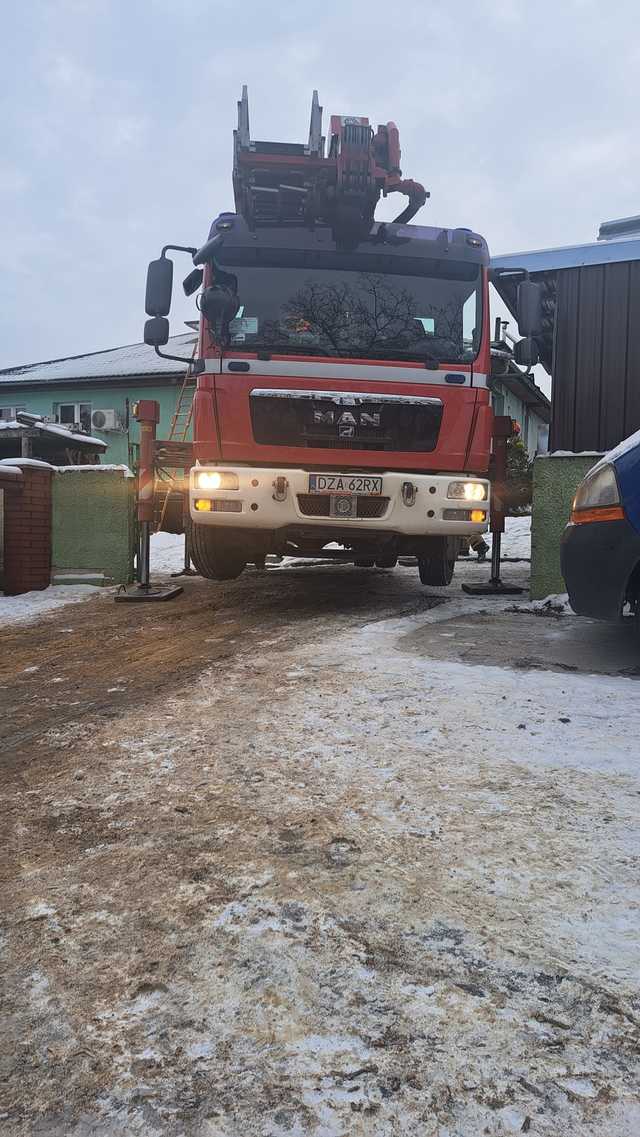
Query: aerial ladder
[338,183]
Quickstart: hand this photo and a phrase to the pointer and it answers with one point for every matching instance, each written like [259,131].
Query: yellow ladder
[178,431]
[183,412]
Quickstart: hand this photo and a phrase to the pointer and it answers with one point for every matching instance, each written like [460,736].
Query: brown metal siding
[596,359]
[563,389]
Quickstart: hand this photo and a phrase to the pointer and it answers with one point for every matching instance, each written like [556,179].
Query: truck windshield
[351,305]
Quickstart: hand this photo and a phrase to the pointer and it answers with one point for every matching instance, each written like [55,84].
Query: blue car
[600,551]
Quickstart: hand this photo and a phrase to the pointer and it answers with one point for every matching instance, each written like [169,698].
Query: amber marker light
[600,513]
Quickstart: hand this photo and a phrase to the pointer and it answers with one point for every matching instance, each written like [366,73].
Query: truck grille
[345,420]
[319,505]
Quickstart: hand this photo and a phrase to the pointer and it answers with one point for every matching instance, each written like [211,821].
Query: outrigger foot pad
[144,593]
[492,588]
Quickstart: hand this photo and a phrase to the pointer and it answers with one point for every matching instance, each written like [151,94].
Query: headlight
[468,491]
[598,490]
[217,480]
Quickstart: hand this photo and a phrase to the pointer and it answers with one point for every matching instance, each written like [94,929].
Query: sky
[116,121]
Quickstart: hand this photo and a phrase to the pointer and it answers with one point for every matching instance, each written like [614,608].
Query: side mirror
[218,304]
[192,282]
[156,331]
[529,308]
[525,352]
[159,287]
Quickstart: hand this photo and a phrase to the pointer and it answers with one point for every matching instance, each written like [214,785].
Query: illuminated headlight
[217,480]
[598,489]
[468,491]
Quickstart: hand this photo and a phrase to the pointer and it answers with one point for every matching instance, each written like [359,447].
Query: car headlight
[598,490]
[468,491]
[217,480]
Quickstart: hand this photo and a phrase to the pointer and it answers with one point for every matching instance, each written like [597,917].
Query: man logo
[347,422]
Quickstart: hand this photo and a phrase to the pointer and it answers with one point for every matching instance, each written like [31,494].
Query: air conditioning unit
[106,420]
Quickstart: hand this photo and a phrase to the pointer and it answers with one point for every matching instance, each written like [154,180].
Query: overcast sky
[116,120]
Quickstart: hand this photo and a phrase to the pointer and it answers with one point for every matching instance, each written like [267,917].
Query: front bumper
[256,505]
[597,560]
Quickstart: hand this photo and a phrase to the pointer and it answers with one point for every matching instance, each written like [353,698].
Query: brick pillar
[27,530]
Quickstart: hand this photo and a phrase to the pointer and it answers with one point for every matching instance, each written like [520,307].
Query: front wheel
[388,562]
[437,568]
[212,556]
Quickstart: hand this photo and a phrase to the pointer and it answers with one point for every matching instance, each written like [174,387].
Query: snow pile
[516,539]
[557,603]
[32,605]
[95,468]
[167,553]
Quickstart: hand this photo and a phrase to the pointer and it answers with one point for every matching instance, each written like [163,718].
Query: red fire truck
[342,367]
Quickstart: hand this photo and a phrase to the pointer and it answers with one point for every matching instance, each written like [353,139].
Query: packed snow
[516,539]
[31,606]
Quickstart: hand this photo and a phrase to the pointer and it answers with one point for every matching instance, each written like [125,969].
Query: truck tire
[437,569]
[364,562]
[211,557]
[386,562]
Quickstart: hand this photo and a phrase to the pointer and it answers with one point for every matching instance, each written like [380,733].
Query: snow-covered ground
[32,606]
[167,549]
[167,556]
[516,539]
[167,553]
[315,879]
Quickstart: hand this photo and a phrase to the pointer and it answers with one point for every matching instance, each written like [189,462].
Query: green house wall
[41,401]
[93,525]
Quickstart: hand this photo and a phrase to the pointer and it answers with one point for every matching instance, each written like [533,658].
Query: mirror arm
[197,365]
[178,249]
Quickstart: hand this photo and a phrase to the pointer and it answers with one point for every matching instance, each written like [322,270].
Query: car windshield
[372,307]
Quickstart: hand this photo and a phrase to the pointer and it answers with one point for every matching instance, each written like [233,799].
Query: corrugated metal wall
[596,357]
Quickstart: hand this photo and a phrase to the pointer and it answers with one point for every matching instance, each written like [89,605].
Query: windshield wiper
[280,348]
[427,359]
[424,357]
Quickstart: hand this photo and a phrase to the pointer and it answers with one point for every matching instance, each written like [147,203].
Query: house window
[498,403]
[8,414]
[74,414]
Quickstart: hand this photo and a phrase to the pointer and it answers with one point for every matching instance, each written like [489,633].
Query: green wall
[506,403]
[93,525]
[555,480]
[100,396]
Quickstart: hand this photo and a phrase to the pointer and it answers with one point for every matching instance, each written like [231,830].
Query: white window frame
[76,413]
[12,409]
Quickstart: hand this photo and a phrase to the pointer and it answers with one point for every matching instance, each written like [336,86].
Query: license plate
[345,483]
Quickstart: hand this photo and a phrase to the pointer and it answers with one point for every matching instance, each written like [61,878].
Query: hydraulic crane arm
[282,183]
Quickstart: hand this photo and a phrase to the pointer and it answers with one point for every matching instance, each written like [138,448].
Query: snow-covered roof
[135,359]
[9,463]
[569,256]
[53,430]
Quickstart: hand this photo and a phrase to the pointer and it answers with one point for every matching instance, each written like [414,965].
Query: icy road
[321,853]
